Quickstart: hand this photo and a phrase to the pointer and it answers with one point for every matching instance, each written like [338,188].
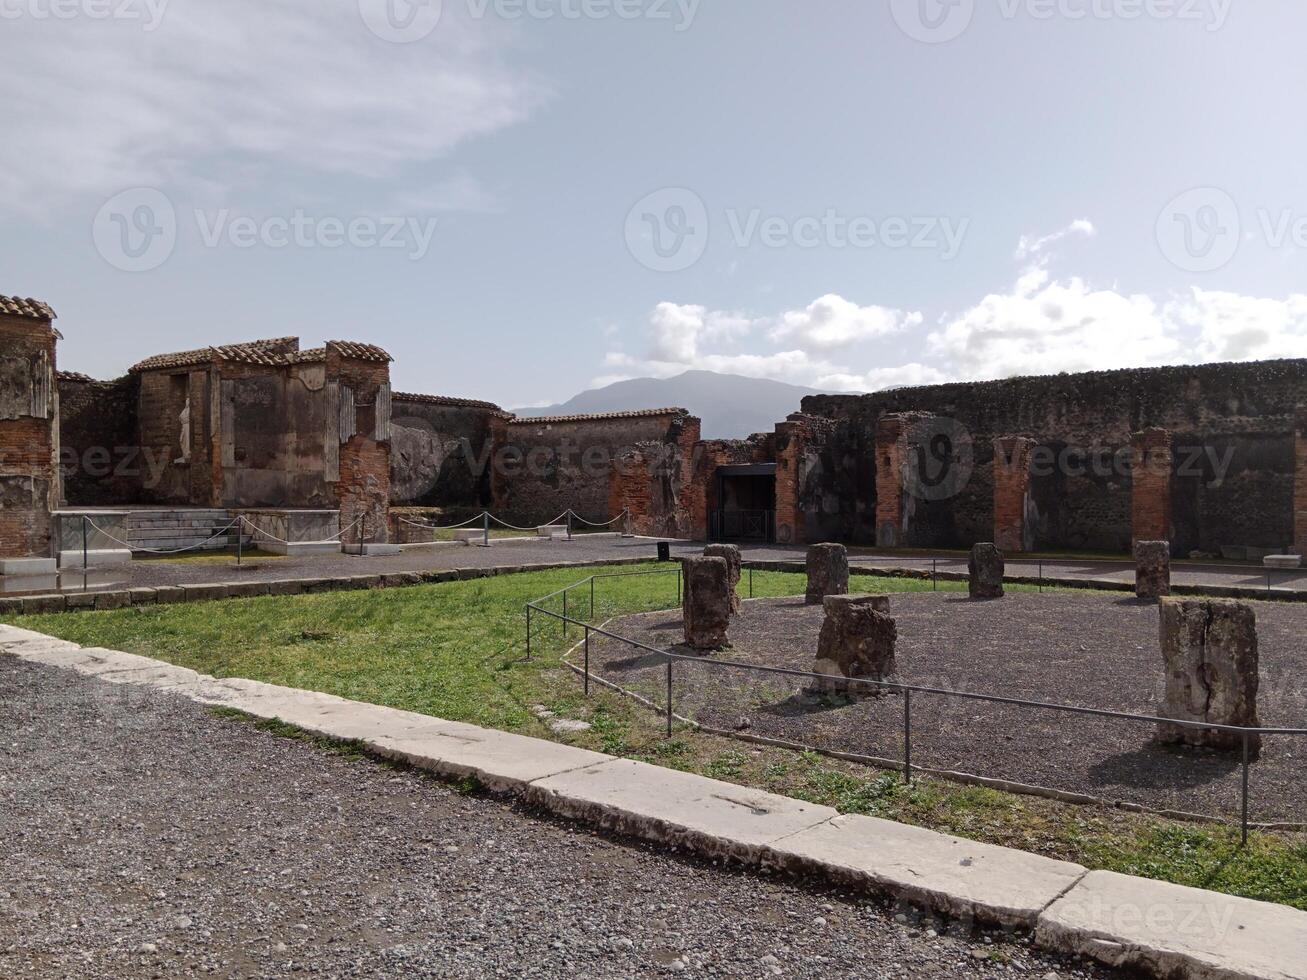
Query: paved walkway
[258,567]
[146,837]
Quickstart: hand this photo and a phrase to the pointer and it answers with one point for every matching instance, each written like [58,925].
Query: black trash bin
[664,551]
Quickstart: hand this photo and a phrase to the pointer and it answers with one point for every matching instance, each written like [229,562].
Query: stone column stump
[828,572]
[985,572]
[1152,569]
[1209,649]
[858,639]
[706,603]
[731,552]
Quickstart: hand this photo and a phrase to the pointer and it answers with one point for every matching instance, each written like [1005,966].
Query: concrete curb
[1165,930]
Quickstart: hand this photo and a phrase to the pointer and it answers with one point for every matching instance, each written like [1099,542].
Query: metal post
[934,575]
[565,612]
[569,525]
[1245,789]
[1041,576]
[485,526]
[587,661]
[528,631]
[750,581]
[239,538]
[592,598]
[85,557]
[669,697]
[1268,580]
[907,736]
[363,534]
[678,584]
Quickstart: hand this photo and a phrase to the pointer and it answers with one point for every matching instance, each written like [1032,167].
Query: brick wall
[29,413]
[364,485]
[1300,481]
[1012,501]
[891,453]
[102,461]
[1150,491]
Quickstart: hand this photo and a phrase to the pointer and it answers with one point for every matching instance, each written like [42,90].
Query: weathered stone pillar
[858,639]
[1013,531]
[985,572]
[891,449]
[29,436]
[1300,481]
[1152,569]
[1209,649]
[734,563]
[828,572]
[706,603]
[1150,480]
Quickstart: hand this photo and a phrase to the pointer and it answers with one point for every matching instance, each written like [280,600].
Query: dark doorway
[746,503]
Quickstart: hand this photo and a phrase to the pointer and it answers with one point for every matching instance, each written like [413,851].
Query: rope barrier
[443,527]
[157,551]
[268,534]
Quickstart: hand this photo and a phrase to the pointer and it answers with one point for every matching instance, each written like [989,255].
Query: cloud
[909,375]
[833,321]
[223,95]
[677,331]
[1029,247]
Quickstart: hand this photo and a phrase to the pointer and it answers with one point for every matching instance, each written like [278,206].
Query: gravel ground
[1095,650]
[581,549]
[144,836]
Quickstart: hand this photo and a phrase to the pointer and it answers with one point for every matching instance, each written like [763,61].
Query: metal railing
[1245,735]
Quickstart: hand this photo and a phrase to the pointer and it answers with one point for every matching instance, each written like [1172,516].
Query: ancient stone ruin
[731,552]
[985,572]
[706,603]
[1209,648]
[828,572]
[858,639]
[1152,569]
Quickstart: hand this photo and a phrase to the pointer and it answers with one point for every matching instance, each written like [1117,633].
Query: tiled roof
[597,417]
[359,352]
[276,351]
[32,308]
[400,396]
[76,377]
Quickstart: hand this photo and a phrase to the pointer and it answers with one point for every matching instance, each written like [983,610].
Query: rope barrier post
[678,584]
[240,537]
[628,521]
[750,581]
[669,697]
[1041,576]
[85,556]
[485,526]
[569,525]
[363,534]
[907,736]
[528,631]
[592,599]
[1244,819]
[564,613]
[934,575]
[587,661]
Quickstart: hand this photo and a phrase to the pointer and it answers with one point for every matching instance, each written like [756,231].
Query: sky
[522,199]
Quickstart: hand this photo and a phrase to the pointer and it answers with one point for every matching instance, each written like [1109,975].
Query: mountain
[731,406]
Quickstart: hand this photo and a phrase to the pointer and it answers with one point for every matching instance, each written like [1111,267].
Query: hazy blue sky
[549,193]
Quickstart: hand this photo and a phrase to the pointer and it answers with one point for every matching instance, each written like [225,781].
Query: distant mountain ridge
[731,406]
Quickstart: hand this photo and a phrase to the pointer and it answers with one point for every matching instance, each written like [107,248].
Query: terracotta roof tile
[76,377]
[597,417]
[359,352]
[32,308]
[401,396]
[275,351]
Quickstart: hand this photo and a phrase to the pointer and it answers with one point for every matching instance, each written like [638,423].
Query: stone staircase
[170,530]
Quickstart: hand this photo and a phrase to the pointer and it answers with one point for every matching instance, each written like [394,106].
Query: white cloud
[224,94]
[909,375]
[1230,327]
[1028,247]
[677,331]
[834,321]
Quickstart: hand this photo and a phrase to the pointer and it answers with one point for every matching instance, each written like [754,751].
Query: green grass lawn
[455,650]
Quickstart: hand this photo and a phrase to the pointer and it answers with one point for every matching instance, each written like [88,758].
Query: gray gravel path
[143,836]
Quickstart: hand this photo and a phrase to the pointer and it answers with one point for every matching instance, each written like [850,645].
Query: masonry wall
[440,452]
[543,468]
[364,430]
[29,436]
[1245,410]
[100,454]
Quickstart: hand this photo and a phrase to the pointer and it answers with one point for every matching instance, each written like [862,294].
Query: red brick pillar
[363,375]
[29,429]
[891,450]
[1300,481]
[1012,533]
[791,439]
[1150,496]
